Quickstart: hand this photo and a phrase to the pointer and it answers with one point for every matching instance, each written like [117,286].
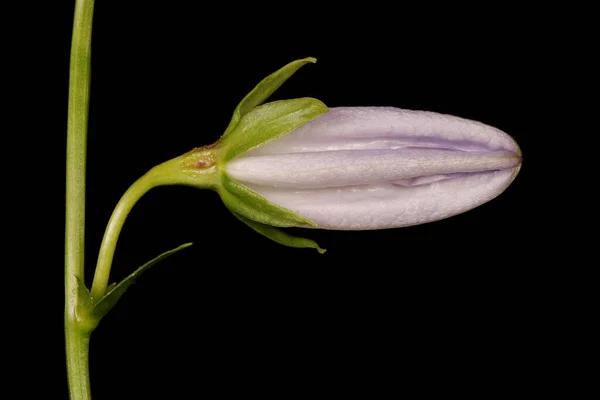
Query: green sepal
[279,236]
[264,90]
[241,199]
[104,305]
[269,122]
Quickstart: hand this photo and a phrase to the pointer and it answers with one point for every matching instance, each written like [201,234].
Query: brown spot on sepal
[202,157]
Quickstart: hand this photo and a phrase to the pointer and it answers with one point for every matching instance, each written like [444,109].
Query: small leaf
[111,297]
[111,287]
[86,321]
[279,236]
[268,122]
[264,90]
[245,201]
[84,300]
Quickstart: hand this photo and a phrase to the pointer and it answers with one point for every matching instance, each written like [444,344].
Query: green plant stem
[76,336]
[78,345]
[113,230]
[195,168]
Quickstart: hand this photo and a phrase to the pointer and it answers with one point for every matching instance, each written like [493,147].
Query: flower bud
[360,168]
[295,163]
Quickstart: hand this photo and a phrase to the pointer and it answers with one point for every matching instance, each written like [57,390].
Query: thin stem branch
[173,172]
[112,232]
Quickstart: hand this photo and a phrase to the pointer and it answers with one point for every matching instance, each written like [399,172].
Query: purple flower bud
[359,168]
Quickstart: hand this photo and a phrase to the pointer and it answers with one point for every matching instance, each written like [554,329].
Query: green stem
[195,168]
[113,229]
[78,346]
[79,88]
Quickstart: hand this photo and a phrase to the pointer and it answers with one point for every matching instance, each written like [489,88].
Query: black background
[237,313]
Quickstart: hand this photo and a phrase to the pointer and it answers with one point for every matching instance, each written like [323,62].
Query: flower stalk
[196,168]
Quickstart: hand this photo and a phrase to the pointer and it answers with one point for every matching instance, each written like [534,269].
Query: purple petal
[387,205]
[361,128]
[357,168]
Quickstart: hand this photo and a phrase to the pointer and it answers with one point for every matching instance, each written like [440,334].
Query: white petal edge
[386,205]
[357,167]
